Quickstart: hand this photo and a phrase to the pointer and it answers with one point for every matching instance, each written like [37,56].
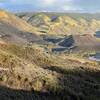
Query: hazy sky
[51,5]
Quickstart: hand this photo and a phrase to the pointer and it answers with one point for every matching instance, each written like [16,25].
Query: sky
[51,5]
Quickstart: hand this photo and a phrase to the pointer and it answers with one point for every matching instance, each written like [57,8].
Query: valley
[49,56]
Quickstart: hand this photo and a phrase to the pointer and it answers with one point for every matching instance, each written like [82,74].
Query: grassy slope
[64,23]
[30,69]
[15,21]
[45,76]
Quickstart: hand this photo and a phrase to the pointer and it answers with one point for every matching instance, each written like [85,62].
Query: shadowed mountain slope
[80,42]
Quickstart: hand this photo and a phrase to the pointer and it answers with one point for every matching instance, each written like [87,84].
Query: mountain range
[45,56]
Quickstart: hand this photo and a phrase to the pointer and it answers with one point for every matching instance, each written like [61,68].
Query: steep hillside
[44,76]
[14,29]
[16,22]
[30,70]
[64,24]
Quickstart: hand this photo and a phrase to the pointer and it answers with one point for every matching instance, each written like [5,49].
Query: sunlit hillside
[46,56]
[63,24]
[16,22]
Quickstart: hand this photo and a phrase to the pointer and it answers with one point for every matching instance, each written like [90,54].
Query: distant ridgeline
[63,23]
